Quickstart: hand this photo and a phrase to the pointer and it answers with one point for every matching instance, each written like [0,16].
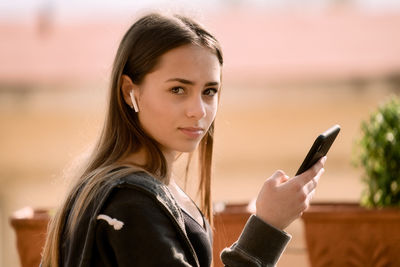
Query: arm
[260,244]
[280,201]
[147,238]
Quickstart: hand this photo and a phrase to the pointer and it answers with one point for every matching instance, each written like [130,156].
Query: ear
[126,87]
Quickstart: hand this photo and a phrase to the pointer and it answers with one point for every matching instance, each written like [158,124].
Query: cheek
[212,111]
[156,114]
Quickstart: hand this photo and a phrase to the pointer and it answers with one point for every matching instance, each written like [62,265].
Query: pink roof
[333,45]
[256,45]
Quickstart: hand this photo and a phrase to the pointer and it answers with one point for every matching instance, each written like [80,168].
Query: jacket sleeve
[146,238]
[260,244]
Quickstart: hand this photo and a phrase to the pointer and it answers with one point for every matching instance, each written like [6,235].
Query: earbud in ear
[135,106]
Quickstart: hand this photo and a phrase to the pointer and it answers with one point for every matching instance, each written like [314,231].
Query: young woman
[126,209]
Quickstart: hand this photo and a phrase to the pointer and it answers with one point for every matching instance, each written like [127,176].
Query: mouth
[192,132]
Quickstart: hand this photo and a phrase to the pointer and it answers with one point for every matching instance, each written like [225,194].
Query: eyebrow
[184,81]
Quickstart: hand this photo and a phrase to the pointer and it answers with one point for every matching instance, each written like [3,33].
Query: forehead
[191,62]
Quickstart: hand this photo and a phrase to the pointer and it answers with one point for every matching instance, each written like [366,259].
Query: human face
[178,100]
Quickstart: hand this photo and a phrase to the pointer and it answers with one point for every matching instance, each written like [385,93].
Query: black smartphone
[320,148]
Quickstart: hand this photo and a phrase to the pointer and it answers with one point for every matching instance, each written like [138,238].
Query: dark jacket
[135,221]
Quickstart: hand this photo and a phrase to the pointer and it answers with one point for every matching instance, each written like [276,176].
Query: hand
[282,200]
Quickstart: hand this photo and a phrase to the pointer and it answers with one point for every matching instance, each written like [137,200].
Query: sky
[67,9]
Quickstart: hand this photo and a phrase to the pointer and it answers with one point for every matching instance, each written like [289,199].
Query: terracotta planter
[345,234]
[228,224]
[30,227]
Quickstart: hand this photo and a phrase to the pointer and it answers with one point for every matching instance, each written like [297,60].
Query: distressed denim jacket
[137,222]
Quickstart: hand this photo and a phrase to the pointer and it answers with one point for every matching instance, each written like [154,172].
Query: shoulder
[137,183]
[133,225]
[136,188]
[140,180]
[132,206]
[128,205]
[139,191]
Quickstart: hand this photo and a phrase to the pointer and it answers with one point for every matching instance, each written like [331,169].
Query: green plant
[379,155]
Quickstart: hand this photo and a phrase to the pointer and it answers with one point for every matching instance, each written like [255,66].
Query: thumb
[279,177]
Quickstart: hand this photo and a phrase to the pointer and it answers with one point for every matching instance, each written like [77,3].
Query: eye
[210,91]
[177,90]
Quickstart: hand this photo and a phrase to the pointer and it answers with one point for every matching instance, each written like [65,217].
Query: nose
[196,108]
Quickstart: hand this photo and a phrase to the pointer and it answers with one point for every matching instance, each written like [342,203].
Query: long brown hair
[140,49]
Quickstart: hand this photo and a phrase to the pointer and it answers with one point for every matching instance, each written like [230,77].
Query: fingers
[311,195]
[308,190]
[279,177]
[311,185]
[304,185]
[279,174]
[285,178]
[282,200]
[308,175]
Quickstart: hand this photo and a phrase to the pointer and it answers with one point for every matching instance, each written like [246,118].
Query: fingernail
[324,159]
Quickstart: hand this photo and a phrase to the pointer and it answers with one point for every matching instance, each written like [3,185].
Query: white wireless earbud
[135,106]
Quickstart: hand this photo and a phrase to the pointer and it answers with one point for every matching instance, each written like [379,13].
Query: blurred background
[292,69]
